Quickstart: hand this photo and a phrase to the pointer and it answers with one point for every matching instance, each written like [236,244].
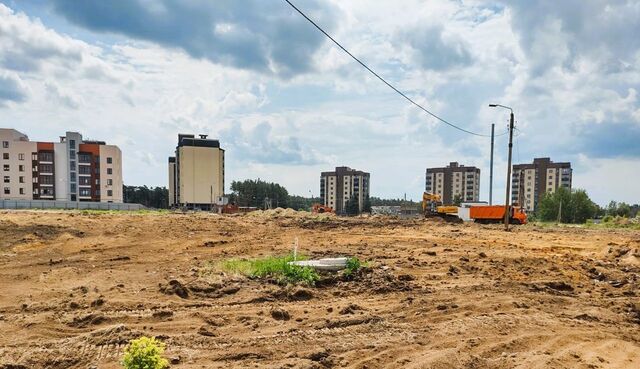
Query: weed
[144,353]
[353,264]
[272,267]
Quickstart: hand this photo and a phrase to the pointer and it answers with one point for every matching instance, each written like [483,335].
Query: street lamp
[506,203]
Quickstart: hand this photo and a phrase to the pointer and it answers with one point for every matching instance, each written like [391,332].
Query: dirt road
[75,288]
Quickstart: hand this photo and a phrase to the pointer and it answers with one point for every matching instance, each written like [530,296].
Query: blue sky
[287,104]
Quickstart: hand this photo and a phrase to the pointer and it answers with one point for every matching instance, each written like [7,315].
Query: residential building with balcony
[337,187]
[530,182]
[196,173]
[453,181]
[72,169]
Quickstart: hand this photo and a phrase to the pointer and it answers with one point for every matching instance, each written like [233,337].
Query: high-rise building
[70,170]
[454,181]
[532,181]
[337,187]
[196,173]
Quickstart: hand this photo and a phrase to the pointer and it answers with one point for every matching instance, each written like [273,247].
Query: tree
[457,200]
[352,207]
[572,206]
[366,208]
[624,210]
[254,192]
[152,197]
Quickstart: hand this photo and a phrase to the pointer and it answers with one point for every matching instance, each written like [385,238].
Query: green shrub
[144,353]
[607,219]
[353,264]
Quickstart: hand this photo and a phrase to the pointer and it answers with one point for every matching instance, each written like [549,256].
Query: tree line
[575,206]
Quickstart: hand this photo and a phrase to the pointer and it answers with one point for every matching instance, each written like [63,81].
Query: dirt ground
[75,288]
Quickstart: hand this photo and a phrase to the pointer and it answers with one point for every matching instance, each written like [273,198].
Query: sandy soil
[74,288]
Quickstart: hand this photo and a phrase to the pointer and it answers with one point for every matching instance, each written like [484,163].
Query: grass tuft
[277,268]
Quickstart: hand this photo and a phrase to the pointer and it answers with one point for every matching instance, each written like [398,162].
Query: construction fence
[51,204]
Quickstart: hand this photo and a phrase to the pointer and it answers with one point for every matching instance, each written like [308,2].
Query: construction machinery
[319,209]
[495,214]
[432,207]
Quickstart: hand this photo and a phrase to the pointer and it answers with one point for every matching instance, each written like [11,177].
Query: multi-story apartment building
[196,173]
[530,182]
[337,187]
[454,181]
[70,170]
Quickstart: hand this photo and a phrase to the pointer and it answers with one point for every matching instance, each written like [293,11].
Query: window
[97,192]
[72,154]
[97,181]
[20,156]
[21,191]
[35,191]
[20,168]
[109,182]
[84,181]
[109,160]
[72,143]
[7,179]
[34,156]
[35,179]
[45,156]
[109,193]
[72,165]
[21,179]
[46,168]
[46,180]
[5,167]
[5,144]
[85,192]
[7,191]
[72,176]
[72,188]
[84,158]
[109,171]
[84,169]
[46,191]
[5,155]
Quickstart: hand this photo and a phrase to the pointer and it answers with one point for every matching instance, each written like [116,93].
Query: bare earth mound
[75,288]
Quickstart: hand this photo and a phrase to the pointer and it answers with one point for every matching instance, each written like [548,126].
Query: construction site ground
[76,287]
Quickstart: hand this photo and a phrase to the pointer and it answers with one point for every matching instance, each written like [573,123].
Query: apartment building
[72,169]
[196,173]
[529,182]
[337,187]
[452,181]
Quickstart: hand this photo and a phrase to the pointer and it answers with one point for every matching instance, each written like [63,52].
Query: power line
[383,80]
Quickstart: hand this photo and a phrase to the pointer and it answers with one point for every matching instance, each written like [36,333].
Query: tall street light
[506,203]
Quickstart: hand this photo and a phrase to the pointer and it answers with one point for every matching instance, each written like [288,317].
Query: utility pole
[506,203]
[493,126]
[560,212]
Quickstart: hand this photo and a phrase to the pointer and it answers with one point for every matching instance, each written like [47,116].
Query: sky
[286,103]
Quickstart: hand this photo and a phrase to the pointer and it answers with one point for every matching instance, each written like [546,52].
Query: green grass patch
[276,267]
[353,265]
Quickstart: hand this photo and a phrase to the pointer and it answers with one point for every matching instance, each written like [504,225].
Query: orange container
[487,212]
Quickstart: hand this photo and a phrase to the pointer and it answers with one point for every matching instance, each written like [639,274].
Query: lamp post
[506,203]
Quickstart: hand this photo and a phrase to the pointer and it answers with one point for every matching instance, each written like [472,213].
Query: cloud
[559,34]
[65,98]
[25,44]
[11,88]
[264,36]
[434,49]
[260,145]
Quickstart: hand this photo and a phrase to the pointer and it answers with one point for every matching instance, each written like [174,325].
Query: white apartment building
[530,182]
[454,181]
[72,169]
[337,187]
[196,173]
